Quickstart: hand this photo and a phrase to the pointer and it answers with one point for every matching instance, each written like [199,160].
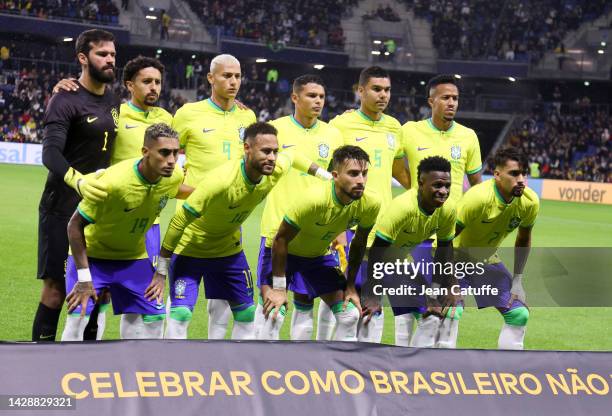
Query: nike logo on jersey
[129,209]
[129,126]
[285,146]
[409,232]
[321,225]
[91,119]
[207,130]
[358,139]
[422,148]
[486,222]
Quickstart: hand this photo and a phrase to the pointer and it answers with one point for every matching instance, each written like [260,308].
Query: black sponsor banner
[299,378]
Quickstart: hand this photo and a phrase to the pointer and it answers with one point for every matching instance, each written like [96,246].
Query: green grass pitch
[559,225]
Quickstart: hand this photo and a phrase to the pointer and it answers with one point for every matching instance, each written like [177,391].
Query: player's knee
[53,294]
[244,314]
[181,313]
[348,316]
[456,314]
[517,316]
[150,319]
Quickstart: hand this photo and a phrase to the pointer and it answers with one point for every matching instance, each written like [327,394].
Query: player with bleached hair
[211,132]
[486,214]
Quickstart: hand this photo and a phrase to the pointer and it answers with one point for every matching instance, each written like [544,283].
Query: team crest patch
[514,222]
[323,150]
[391,140]
[115,115]
[353,222]
[456,152]
[179,289]
[241,133]
[162,203]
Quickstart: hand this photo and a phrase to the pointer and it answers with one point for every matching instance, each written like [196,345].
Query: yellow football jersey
[317,144]
[320,217]
[132,125]
[458,144]
[118,224]
[210,136]
[405,224]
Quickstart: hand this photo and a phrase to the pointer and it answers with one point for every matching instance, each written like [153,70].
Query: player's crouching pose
[303,239]
[205,234]
[486,214]
[107,240]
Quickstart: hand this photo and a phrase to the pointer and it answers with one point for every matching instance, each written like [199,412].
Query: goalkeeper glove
[517,288]
[87,186]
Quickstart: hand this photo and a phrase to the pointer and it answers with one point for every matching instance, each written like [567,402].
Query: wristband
[323,174]
[163,264]
[518,276]
[279,282]
[84,275]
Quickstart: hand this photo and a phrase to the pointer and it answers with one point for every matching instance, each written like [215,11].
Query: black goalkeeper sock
[44,327]
[91,330]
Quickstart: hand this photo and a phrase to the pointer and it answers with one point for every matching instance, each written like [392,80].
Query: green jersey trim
[297,123]
[433,126]
[335,197]
[85,216]
[142,178]
[500,198]
[216,107]
[471,172]
[191,210]
[248,182]
[461,224]
[384,237]
[367,118]
[447,238]
[137,109]
[291,223]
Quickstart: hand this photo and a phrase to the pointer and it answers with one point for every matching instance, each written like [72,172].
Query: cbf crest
[391,140]
[179,289]
[514,222]
[241,134]
[115,115]
[456,152]
[162,203]
[323,150]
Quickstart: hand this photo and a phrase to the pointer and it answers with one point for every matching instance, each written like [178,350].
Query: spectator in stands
[165,25]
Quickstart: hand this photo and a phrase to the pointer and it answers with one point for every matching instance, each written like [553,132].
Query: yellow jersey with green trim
[382,141]
[405,224]
[118,224]
[210,136]
[132,125]
[459,145]
[221,203]
[320,217]
[317,144]
[487,219]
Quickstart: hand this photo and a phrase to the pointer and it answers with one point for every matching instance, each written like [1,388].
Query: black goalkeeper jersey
[79,131]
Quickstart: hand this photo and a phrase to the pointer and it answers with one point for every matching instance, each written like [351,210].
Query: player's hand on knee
[155,290]
[90,187]
[433,308]
[79,295]
[66,84]
[517,292]
[371,307]
[273,301]
[351,295]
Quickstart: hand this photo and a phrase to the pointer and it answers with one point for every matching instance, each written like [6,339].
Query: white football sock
[272,327]
[260,318]
[325,322]
[74,329]
[403,329]
[511,337]
[219,313]
[447,333]
[301,324]
[426,332]
[346,323]
[243,330]
[178,322]
[133,326]
[372,332]
[102,320]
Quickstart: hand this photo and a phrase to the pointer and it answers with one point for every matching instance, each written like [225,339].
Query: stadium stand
[519,31]
[96,11]
[312,23]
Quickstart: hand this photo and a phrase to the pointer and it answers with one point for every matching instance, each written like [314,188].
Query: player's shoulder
[188,109]
[344,119]
[246,114]
[281,122]
[371,198]
[161,115]
[481,192]
[391,122]
[412,126]
[449,208]
[464,131]
[65,99]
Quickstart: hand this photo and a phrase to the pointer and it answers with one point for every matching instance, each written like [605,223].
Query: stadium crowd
[520,31]
[310,23]
[98,11]
[569,142]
